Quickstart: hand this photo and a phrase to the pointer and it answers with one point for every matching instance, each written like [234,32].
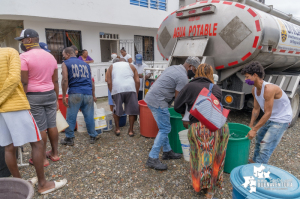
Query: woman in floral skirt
[207,148]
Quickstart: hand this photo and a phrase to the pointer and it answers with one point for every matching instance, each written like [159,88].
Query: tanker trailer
[230,34]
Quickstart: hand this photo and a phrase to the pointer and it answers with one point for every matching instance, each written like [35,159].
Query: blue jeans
[162,118]
[267,138]
[86,104]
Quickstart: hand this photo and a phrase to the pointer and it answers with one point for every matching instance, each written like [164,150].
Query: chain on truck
[230,34]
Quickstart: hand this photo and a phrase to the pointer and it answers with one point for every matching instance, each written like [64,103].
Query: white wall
[90,33]
[99,11]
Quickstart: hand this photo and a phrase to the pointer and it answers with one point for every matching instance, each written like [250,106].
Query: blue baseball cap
[139,59]
[44,46]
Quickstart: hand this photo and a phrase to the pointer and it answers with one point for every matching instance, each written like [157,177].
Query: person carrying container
[207,148]
[76,75]
[277,113]
[166,87]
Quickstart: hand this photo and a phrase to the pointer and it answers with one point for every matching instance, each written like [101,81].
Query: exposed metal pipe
[270,10]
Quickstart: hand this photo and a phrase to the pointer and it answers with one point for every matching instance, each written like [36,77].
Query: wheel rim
[295,104]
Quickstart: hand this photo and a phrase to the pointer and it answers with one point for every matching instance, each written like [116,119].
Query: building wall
[99,11]
[90,34]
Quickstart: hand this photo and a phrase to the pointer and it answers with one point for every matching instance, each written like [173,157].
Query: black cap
[27,33]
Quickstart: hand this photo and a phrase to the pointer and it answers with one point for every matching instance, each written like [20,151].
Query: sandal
[117,134]
[31,162]
[131,135]
[58,184]
[48,155]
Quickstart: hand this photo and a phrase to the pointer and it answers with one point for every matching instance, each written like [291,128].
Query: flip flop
[131,134]
[33,181]
[31,162]
[50,157]
[58,184]
[117,134]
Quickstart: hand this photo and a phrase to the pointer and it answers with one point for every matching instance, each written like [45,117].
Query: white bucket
[81,126]
[61,122]
[99,117]
[185,144]
[109,121]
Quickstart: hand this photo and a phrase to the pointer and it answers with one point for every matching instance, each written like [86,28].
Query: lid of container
[265,181]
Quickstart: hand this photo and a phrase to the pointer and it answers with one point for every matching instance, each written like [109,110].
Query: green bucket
[238,147]
[176,127]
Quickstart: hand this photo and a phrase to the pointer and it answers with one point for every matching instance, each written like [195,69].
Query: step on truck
[230,34]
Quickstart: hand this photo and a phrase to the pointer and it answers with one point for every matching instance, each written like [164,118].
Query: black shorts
[130,101]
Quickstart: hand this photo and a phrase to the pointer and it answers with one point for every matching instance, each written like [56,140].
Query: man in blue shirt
[76,75]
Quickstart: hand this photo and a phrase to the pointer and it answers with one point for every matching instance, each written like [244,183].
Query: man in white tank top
[277,113]
[124,83]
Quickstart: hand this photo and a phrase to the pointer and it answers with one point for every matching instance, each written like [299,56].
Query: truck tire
[295,103]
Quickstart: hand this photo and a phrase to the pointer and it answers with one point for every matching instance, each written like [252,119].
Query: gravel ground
[114,167]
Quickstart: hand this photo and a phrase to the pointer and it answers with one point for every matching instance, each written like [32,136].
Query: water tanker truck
[230,34]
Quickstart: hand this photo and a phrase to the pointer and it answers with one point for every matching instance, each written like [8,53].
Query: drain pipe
[270,10]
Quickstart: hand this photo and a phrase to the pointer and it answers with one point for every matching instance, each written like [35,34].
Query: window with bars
[154,4]
[58,39]
[144,45]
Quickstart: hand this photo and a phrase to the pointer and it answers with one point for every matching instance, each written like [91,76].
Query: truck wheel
[295,103]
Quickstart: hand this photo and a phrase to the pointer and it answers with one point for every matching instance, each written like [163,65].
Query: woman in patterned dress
[207,148]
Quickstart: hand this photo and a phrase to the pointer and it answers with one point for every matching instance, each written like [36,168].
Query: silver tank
[237,34]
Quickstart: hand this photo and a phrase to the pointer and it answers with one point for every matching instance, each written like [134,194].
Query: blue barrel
[264,181]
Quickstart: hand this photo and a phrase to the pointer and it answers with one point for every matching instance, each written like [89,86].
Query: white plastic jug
[100,119]
[61,122]
[185,144]
[81,126]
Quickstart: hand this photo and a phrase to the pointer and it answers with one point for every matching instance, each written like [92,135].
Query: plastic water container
[122,121]
[176,127]
[238,147]
[185,144]
[109,121]
[15,188]
[61,122]
[81,126]
[99,117]
[148,126]
[260,189]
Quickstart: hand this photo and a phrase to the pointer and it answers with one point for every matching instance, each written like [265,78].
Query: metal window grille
[58,39]
[144,45]
[158,4]
[142,3]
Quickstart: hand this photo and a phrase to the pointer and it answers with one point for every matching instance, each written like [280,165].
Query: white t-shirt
[140,70]
[127,56]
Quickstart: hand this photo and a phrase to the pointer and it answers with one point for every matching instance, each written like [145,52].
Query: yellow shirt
[12,95]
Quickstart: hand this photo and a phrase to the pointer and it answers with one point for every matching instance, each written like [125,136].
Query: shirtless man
[277,113]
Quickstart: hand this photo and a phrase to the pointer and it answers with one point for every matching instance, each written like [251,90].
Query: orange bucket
[148,126]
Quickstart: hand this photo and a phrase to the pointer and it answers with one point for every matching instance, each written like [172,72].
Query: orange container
[63,108]
[148,126]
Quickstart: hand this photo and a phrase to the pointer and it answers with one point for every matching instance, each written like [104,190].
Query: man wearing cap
[139,65]
[39,75]
[160,95]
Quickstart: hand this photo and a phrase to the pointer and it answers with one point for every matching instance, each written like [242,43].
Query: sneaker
[155,163]
[171,155]
[67,141]
[93,139]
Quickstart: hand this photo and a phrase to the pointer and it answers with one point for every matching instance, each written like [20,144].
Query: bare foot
[48,185]
[51,156]
[46,162]
[130,133]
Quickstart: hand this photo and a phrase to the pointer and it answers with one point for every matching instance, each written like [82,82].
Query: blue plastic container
[263,191]
[122,121]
